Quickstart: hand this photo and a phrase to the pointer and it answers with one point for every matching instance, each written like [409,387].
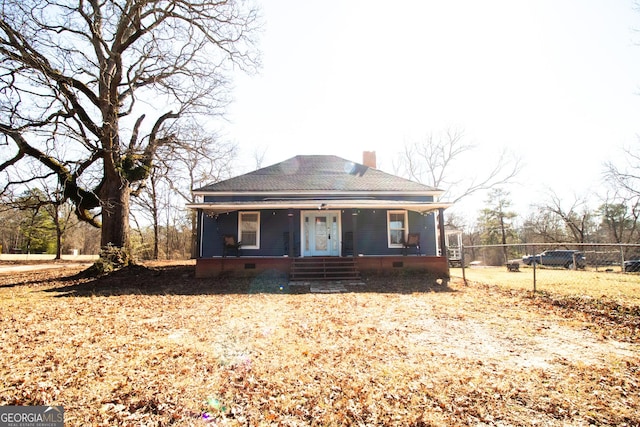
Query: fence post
[464,275]
[534,271]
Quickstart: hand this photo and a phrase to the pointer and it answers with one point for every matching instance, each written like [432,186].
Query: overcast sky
[555,81]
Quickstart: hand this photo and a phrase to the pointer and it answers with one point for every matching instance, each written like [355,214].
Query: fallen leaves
[470,356]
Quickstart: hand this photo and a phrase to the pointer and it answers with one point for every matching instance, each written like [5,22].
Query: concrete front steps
[324,268]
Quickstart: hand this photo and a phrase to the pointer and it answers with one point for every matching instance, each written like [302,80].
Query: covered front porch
[332,242]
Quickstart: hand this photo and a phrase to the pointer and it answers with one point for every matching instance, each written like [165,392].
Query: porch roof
[315,204]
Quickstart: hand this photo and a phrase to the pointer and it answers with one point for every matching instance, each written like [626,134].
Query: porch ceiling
[421,207]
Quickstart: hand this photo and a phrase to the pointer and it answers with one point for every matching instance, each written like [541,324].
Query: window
[249,230]
[397,228]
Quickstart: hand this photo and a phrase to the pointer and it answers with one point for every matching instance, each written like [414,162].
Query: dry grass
[596,284]
[157,347]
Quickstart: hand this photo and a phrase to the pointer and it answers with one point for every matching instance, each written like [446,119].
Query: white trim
[421,207]
[240,214]
[405,229]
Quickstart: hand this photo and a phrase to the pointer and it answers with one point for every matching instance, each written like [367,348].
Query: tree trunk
[156,220]
[115,192]
[56,221]
[115,214]
[156,237]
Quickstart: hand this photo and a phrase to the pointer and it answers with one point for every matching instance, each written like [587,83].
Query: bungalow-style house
[319,217]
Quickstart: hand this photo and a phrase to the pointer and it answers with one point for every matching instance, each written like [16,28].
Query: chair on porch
[412,241]
[230,245]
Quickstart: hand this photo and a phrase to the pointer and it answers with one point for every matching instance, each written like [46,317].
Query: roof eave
[421,207]
[434,192]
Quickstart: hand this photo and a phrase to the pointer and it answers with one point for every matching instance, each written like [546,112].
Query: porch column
[441,236]
[196,230]
[291,248]
[354,222]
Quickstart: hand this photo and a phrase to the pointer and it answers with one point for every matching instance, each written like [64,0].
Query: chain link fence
[546,266]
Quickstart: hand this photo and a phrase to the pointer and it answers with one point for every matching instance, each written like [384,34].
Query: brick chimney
[369,159]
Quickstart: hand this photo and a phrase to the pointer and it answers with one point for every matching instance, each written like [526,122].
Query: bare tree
[577,217]
[91,89]
[151,202]
[620,221]
[433,161]
[626,176]
[81,236]
[197,157]
[9,227]
[620,210]
[258,156]
[542,226]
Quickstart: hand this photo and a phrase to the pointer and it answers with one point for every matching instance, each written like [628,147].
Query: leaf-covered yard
[157,347]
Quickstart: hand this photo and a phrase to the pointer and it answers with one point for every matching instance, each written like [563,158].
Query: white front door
[320,231]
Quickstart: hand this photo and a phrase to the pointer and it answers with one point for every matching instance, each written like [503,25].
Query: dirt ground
[497,357]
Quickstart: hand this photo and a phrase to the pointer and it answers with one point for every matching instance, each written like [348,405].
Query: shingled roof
[317,173]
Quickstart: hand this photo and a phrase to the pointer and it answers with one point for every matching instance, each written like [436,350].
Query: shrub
[111,258]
